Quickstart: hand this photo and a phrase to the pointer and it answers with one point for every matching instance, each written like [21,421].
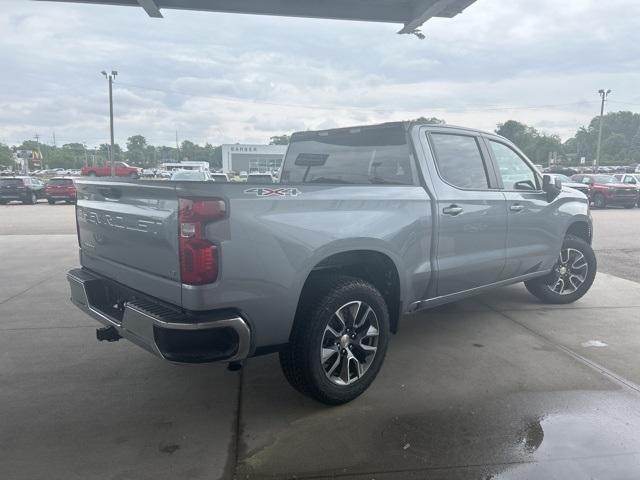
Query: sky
[225,78]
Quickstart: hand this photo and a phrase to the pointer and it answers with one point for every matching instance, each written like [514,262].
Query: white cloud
[227,78]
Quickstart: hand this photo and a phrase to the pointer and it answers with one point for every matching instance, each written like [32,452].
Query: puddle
[593,343]
[509,437]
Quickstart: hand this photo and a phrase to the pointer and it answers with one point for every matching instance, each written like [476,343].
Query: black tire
[3,202]
[542,287]
[30,199]
[599,201]
[133,175]
[301,360]
[51,201]
[92,174]
[68,202]
[630,205]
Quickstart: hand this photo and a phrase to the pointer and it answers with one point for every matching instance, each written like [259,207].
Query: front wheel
[51,201]
[599,201]
[339,340]
[572,275]
[630,205]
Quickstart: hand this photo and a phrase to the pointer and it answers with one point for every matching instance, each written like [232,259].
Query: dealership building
[252,158]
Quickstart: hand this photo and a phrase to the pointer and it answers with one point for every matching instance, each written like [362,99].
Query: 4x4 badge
[273,192]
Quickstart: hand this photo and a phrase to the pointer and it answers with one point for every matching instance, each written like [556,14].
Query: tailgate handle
[111,192]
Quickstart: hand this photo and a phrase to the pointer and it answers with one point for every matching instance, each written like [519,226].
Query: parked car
[605,190]
[259,178]
[366,224]
[191,176]
[60,189]
[220,177]
[630,179]
[22,188]
[122,170]
[567,171]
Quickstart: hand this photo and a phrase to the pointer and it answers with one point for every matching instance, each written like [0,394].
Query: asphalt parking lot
[496,387]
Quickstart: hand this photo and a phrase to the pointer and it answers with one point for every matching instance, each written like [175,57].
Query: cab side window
[459,161]
[515,172]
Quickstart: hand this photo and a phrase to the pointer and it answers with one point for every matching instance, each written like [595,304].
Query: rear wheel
[630,205]
[339,340]
[51,201]
[599,201]
[572,275]
[31,199]
[3,202]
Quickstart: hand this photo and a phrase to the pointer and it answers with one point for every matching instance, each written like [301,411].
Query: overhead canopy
[411,13]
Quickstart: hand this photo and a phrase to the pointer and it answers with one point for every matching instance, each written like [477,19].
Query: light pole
[110,77]
[603,95]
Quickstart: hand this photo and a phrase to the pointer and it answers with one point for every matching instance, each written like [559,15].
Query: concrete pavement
[500,386]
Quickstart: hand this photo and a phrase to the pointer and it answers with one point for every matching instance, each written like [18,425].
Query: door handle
[516,207]
[452,210]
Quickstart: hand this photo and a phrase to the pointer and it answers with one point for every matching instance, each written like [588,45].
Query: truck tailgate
[128,232]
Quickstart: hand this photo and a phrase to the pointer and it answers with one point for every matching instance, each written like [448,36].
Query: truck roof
[405,125]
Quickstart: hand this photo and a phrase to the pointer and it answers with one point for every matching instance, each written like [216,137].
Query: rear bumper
[164,330]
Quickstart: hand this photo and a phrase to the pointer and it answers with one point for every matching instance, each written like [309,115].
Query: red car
[604,190]
[122,170]
[60,189]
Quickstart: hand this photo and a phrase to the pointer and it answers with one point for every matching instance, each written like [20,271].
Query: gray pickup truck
[365,225]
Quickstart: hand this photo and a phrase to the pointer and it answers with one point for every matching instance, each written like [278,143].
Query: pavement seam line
[602,370]
[27,289]
[238,425]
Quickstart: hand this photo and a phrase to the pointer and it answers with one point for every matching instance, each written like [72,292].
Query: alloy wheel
[349,343]
[569,273]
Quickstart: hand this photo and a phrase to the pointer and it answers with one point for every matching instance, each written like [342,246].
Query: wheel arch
[373,266]
[581,229]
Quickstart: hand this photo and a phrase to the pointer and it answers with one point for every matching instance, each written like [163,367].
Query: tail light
[198,256]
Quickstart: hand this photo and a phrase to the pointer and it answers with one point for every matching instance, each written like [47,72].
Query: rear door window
[356,156]
[11,182]
[459,161]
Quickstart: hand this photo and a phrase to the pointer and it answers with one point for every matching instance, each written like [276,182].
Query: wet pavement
[469,390]
[498,387]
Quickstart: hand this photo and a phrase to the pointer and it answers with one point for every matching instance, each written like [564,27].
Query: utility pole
[110,78]
[177,148]
[54,139]
[86,159]
[603,95]
[33,155]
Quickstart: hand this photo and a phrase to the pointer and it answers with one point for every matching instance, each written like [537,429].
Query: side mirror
[552,186]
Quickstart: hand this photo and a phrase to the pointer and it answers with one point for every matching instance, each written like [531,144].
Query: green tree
[136,146]
[6,156]
[279,140]
[430,120]
[535,145]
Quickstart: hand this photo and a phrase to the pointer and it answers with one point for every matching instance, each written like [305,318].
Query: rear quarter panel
[270,244]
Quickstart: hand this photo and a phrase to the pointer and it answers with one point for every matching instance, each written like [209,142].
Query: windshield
[604,179]
[189,175]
